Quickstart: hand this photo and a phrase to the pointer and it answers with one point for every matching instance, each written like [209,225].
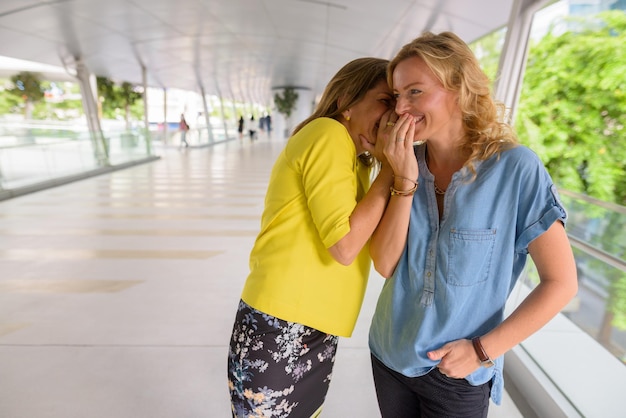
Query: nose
[402,105]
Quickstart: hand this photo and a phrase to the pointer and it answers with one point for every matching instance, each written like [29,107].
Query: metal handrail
[597,253]
[601,203]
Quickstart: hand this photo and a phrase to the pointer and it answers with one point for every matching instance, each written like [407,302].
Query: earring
[348,118]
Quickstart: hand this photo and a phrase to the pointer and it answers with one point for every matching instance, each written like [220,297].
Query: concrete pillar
[147,136]
[223,111]
[89,90]
[514,53]
[207,116]
[165,127]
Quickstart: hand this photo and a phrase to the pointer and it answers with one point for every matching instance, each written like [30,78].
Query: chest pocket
[470,258]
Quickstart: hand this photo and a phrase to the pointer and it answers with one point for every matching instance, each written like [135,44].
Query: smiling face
[365,114]
[420,93]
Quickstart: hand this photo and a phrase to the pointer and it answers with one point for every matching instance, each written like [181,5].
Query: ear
[346,113]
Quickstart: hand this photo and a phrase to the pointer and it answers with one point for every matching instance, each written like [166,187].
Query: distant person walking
[268,123]
[240,127]
[183,127]
[252,128]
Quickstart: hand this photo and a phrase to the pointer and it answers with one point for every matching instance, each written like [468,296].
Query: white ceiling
[239,49]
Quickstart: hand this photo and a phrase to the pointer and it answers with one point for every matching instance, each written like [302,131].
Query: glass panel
[598,233]
[31,155]
[573,118]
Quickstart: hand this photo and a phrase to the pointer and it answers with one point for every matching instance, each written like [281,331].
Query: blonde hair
[455,65]
[348,87]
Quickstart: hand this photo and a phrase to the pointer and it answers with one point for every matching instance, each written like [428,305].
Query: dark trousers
[431,395]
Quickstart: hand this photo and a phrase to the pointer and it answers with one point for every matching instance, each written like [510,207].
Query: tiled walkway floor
[117,293]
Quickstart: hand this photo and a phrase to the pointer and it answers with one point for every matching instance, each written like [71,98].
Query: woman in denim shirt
[455,249]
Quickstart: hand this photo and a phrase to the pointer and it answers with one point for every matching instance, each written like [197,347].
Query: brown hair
[348,87]
[455,65]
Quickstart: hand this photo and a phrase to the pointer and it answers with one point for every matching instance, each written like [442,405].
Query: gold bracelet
[410,192]
[405,178]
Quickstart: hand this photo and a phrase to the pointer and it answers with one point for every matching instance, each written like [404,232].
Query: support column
[165,125]
[147,135]
[236,112]
[514,53]
[223,110]
[88,89]
[207,116]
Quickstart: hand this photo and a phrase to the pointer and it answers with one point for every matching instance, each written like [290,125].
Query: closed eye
[409,94]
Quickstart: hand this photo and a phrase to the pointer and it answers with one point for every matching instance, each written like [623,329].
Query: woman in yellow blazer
[310,264]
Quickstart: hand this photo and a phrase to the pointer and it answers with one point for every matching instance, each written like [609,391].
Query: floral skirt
[277,368]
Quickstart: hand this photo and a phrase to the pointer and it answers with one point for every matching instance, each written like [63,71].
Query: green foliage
[617,302]
[286,103]
[106,93]
[129,94]
[572,112]
[488,50]
[119,101]
[28,86]
[69,107]
[572,109]
[60,110]
[9,102]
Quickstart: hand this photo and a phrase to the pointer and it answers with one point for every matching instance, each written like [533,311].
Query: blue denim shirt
[454,276]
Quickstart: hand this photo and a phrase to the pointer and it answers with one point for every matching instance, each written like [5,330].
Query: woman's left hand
[457,359]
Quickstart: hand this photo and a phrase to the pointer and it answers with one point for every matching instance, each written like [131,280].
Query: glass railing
[597,232]
[36,152]
[43,151]
[196,137]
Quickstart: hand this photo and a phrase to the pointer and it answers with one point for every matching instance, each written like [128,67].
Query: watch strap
[480,351]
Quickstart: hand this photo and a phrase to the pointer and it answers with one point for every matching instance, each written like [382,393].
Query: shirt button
[428,274]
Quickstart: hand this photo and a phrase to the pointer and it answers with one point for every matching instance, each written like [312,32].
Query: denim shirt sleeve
[539,203]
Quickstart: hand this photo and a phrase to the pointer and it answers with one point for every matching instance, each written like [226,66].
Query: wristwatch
[485,361]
